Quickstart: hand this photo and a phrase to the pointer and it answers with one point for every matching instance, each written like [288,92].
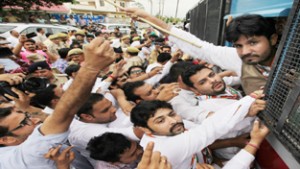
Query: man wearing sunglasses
[24,141]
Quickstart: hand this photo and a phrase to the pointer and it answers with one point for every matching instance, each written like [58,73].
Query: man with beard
[198,80]
[207,84]
[166,129]
[254,39]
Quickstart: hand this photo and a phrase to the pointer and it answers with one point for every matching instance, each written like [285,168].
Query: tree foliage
[169,19]
[27,4]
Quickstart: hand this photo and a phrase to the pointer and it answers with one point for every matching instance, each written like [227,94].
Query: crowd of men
[43,18]
[91,99]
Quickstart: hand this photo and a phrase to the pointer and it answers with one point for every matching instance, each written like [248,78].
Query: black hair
[39,29]
[90,36]
[166,46]
[129,88]
[63,52]
[84,26]
[176,70]
[250,25]
[98,33]
[163,57]
[87,107]
[161,40]
[143,111]
[75,43]
[132,32]
[29,40]
[43,97]
[190,72]
[108,147]
[48,34]
[72,69]
[132,67]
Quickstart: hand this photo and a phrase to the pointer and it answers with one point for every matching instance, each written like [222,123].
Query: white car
[124,28]
[24,28]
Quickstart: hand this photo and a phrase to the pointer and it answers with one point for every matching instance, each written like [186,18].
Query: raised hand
[22,102]
[135,12]
[98,54]
[63,159]
[153,160]
[118,68]
[258,105]
[168,91]
[155,71]
[258,133]
[12,79]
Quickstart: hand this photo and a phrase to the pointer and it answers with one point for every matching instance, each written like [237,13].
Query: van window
[4,28]
[31,29]
[58,30]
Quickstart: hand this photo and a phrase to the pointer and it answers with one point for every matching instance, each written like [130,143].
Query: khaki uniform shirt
[252,79]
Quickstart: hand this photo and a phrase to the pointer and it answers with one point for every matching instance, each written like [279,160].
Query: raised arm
[17,49]
[225,57]
[99,55]
[244,158]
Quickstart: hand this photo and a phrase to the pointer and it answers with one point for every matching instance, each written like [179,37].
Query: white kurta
[197,111]
[156,78]
[180,149]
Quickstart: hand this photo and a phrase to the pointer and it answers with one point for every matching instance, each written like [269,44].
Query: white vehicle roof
[112,26]
[25,28]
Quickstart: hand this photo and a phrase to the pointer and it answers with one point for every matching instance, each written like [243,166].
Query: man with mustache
[164,127]
[207,84]
[254,39]
[204,92]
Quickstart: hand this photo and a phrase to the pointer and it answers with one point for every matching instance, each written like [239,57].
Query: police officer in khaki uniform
[43,70]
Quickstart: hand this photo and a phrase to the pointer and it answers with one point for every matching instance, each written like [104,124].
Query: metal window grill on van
[207,20]
[282,114]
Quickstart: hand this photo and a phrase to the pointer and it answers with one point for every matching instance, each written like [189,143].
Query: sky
[170,7]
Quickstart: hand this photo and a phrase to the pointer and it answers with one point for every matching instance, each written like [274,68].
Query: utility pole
[151,7]
[163,7]
[159,7]
[176,8]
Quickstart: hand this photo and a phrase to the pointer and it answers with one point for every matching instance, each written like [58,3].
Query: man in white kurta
[180,149]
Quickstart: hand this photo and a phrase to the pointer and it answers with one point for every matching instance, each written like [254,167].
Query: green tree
[27,4]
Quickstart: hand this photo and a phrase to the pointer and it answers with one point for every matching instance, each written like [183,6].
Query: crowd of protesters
[108,100]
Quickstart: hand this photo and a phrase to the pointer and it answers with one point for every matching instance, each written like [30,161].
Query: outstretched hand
[22,102]
[168,91]
[63,159]
[153,160]
[258,105]
[135,13]
[258,133]
[12,79]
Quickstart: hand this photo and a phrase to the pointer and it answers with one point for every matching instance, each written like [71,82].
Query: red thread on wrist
[252,145]
[113,77]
